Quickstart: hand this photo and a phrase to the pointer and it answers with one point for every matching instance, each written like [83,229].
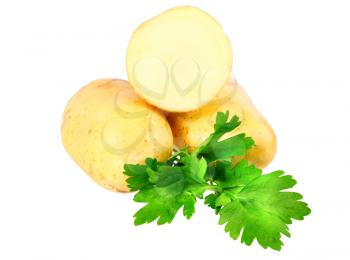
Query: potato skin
[105,124]
[192,128]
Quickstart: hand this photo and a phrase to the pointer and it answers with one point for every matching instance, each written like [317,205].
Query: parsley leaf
[163,197]
[257,206]
[213,149]
[137,174]
[166,188]
[250,204]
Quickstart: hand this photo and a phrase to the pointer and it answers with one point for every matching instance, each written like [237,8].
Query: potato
[179,60]
[106,125]
[192,128]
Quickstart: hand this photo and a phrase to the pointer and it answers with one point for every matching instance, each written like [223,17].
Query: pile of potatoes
[178,65]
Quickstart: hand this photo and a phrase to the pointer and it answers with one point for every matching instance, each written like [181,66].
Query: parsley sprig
[250,204]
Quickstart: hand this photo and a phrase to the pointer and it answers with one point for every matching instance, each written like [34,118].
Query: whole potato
[106,125]
[192,128]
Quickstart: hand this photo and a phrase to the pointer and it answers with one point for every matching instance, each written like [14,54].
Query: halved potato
[192,128]
[179,60]
[106,124]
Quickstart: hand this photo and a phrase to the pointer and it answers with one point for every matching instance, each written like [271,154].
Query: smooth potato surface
[179,60]
[192,128]
[106,124]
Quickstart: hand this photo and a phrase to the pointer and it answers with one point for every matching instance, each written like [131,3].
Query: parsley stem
[213,188]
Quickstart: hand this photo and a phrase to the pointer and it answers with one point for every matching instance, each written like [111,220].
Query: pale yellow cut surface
[192,128]
[179,60]
[106,124]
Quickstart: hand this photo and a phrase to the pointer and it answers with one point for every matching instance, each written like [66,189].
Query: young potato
[192,128]
[177,55]
[106,125]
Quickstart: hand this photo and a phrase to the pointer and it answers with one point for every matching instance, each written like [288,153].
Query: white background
[292,57]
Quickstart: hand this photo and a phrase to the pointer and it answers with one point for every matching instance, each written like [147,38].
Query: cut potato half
[179,60]
[105,125]
[192,128]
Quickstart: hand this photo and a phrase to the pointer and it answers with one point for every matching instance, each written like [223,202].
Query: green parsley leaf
[257,206]
[210,200]
[137,174]
[196,167]
[169,188]
[138,178]
[213,149]
[163,197]
[250,205]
